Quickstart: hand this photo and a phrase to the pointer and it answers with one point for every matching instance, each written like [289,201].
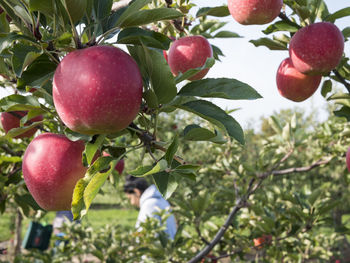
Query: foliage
[287,181]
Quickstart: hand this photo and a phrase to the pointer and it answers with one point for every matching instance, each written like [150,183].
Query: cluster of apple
[96,90]
[314,50]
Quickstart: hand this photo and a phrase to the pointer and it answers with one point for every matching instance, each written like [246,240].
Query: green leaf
[196,133]
[75,8]
[139,36]
[275,124]
[17,102]
[131,10]
[166,183]
[140,171]
[327,206]
[151,99]
[170,153]
[314,196]
[23,55]
[7,39]
[269,43]
[191,72]
[218,11]
[282,26]
[154,65]
[86,188]
[148,16]
[346,32]
[74,136]
[159,167]
[18,131]
[92,148]
[38,73]
[45,7]
[187,168]
[215,115]
[226,34]
[4,24]
[220,88]
[343,112]
[339,14]
[326,87]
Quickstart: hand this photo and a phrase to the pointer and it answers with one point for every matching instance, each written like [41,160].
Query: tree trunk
[18,236]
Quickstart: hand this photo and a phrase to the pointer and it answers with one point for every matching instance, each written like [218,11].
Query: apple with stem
[188,53]
[254,12]
[317,49]
[294,85]
[51,166]
[97,90]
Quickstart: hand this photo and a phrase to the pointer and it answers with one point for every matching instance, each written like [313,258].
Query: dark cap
[132,182]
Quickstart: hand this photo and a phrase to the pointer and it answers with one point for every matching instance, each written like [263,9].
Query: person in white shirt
[149,200]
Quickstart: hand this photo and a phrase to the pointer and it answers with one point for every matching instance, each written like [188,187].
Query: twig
[200,234]
[10,151]
[342,80]
[301,169]
[287,20]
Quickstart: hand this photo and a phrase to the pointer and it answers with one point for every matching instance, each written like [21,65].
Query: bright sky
[257,67]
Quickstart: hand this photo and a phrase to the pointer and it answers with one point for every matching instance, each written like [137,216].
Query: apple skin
[254,12]
[51,166]
[9,121]
[119,166]
[261,241]
[294,85]
[97,90]
[317,48]
[187,53]
[348,159]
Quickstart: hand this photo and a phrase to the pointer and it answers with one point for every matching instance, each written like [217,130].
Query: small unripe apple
[97,90]
[317,48]
[254,12]
[119,166]
[51,166]
[188,53]
[294,85]
[348,159]
[10,120]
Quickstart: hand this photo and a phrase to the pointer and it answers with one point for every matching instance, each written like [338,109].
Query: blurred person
[149,200]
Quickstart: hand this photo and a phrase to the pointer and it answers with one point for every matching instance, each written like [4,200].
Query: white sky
[257,67]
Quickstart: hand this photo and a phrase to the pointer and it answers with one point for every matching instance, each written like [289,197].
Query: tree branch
[10,151]
[342,80]
[301,169]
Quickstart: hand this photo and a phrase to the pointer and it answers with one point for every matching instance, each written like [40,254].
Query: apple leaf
[7,39]
[218,11]
[18,131]
[343,112]
[17,102]
[215,115]
[196,133]
[92,148]
[346,32]
[269,43]
[282,26]
[131,10]
[140,171]
[154,67]
[144,17]
[45,7]
[166,183]
[339,14]
[191,72]
[139,36]
[159,167]
[23,55]
[87,188]
[326,87]
[225,88]
[226,34]
[169,155]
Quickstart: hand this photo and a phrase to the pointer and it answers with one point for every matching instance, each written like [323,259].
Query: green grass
[95,219]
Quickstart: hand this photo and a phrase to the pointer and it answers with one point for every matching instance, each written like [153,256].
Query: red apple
[317,48]
[348,159]
[254,12]
[97,90]
[52,165]
[187,53]
[261,241]
[10,120]
[294,85]
[119,166]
